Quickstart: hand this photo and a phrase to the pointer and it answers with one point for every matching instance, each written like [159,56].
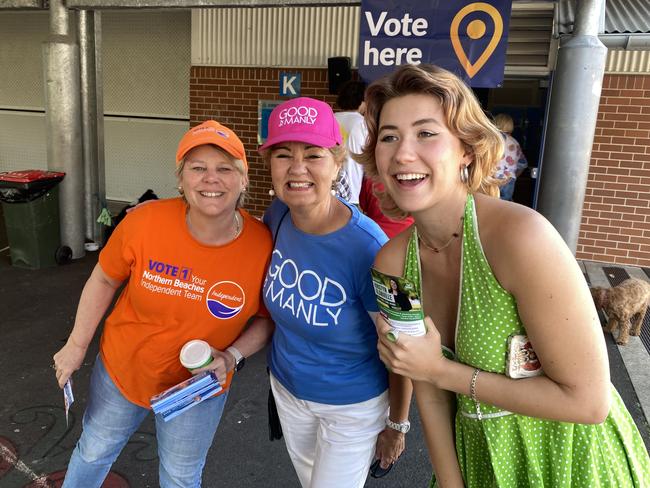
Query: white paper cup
[196,354]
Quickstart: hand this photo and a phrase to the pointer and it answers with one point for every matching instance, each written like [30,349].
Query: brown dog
[622,303]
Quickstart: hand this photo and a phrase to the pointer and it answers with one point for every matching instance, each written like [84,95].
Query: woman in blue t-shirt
[328,382]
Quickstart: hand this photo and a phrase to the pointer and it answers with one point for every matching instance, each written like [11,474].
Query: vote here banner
[467,38]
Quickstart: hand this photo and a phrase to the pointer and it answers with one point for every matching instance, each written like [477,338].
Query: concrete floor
[36,316]
[37,313]
[633,355]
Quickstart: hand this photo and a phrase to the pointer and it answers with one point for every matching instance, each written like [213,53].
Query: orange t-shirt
[178,290]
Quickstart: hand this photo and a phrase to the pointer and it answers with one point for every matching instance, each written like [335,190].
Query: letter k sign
[290,84]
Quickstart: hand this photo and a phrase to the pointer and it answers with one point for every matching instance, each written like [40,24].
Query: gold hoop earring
[464,174]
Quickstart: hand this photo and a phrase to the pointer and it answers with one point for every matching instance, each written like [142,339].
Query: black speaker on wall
[338,72]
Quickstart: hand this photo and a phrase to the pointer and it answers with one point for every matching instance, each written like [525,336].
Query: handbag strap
[277,229]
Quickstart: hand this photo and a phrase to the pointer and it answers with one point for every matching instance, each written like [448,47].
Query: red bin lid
[30,175]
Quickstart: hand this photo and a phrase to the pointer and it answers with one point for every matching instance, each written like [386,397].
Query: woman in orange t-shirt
[181,259]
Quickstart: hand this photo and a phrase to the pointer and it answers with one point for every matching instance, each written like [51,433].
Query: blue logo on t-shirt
[225,299]
[309,297]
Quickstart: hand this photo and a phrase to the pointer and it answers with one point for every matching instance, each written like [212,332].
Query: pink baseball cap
[305,120]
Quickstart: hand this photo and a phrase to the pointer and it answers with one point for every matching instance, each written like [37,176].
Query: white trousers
[331,446]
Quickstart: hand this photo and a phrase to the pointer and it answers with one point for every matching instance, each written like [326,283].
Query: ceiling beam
[136,4]
[129,4]
[21,4]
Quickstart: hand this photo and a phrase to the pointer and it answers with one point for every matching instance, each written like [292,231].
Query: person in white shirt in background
[353,130]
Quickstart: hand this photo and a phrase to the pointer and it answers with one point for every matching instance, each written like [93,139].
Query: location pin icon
[475,30]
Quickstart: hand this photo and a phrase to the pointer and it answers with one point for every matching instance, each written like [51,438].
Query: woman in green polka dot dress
[489,270]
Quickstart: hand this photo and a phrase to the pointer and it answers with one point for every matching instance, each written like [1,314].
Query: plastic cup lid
[195,354]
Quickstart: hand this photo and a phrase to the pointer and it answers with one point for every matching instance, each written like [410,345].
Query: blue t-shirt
[318,291]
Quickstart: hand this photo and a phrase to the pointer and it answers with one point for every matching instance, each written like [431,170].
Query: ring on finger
[392,335]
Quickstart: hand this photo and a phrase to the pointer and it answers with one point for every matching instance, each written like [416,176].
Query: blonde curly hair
[464,117]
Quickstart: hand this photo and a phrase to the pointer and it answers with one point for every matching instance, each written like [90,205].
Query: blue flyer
[183,396]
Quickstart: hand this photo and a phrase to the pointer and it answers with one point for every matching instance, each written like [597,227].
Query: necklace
[235,220]
[237,225]
[453,237]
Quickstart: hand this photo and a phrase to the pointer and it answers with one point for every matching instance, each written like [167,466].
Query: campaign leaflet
[68,398]
[399,303]
[185,395]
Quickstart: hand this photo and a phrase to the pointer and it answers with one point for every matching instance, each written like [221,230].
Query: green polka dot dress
[507,450]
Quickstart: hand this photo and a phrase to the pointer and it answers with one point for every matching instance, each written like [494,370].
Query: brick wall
[230,95]
[616,216]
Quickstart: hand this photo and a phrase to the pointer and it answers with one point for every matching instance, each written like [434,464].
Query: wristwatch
[402,427]
[240,360]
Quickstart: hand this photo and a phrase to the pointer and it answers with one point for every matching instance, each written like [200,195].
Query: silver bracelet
[472,393]
[402,427]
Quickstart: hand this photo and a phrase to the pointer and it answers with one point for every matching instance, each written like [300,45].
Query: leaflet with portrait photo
[399,303]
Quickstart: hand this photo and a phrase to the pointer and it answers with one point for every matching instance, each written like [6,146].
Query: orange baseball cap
[212,132]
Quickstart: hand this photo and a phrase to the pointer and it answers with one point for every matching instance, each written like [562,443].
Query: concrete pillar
[89,24]
[63,124]
[575,94]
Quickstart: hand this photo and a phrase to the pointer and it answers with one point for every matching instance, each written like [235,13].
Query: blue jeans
[110,420]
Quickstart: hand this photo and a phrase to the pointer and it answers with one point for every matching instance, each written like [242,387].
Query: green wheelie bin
[30,204]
